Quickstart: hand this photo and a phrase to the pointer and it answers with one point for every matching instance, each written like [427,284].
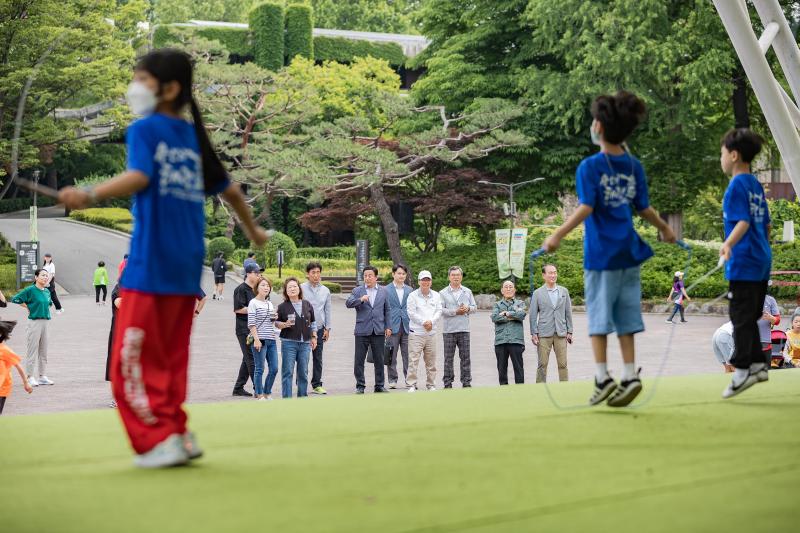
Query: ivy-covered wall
[344,50]
[299,27]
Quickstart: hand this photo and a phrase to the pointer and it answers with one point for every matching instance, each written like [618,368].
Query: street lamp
[512,207]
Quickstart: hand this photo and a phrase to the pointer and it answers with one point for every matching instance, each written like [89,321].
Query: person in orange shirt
[792,353]
[9,360]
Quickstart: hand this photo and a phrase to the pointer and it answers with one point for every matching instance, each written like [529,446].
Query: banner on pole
[502,240]
[519,239]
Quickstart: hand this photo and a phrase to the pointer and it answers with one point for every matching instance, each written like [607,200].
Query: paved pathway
[79,336]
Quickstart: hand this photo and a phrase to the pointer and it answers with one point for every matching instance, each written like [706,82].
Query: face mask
[594,135]
[141,100]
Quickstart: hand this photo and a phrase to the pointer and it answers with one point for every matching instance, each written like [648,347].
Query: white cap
[679,273]
[424,274]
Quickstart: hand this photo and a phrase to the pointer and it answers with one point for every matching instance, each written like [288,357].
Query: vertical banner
[362,259]
[502,239]
[519,239]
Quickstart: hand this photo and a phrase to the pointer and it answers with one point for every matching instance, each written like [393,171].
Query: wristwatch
[92,194]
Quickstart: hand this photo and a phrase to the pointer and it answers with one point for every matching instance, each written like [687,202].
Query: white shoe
[432,389]
[32,381]
[60,311]
[113,404]
[762,374]
[261,399]
[169,452]
[392,385]
[733,388]
[412,389]
[44,380]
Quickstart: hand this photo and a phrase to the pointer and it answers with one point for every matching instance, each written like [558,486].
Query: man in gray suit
[372,327]
[398,293]
[551,323]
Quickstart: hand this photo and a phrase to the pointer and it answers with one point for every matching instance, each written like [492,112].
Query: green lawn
[486,459]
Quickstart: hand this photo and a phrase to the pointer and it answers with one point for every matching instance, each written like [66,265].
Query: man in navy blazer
[372,326]
[398,293]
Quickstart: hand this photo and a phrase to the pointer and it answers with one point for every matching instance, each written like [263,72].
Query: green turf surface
[485,459]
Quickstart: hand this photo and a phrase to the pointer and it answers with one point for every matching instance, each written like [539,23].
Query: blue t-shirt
[167,247]
[751,258]
[610,185]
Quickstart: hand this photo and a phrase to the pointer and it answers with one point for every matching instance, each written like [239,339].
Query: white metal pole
[784,44]
[737,23]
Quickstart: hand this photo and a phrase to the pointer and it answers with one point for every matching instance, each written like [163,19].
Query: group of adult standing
[393,323]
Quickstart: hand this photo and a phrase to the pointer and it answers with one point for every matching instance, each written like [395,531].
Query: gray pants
[399,344]
[36,356]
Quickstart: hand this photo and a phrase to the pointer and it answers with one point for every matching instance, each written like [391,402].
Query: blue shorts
[614,301]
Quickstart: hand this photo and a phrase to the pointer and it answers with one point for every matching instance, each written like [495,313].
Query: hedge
[9,205]
[266,23]
[345,50]
[241,42]
[339,265]
[334,252]
[299,25]
[108,217]
[8,279]
[238,41]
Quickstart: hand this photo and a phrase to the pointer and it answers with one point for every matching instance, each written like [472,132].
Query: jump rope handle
[684,245]
[538,253]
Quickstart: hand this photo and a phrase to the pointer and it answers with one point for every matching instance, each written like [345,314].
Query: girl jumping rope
[171,168]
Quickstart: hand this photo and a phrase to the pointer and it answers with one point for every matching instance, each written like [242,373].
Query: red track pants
[149,366]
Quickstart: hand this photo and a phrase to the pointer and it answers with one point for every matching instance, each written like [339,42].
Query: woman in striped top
[260,314]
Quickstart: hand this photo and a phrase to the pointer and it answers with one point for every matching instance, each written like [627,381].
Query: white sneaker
[169,452]
[44,380]
[60,311]
[762,374]
[32,381]
[733,388]
[432,388]
[392,385]
[412,389]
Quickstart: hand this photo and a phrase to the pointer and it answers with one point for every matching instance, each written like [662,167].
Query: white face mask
[594,135]
[141,100]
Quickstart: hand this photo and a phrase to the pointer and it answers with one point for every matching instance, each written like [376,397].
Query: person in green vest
[100,282]
[36,299]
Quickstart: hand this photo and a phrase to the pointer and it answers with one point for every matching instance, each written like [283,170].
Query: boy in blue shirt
[609,183]
[748,255]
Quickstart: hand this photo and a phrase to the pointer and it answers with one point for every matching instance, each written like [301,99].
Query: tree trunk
[675,222]
[388,222]
[741,115]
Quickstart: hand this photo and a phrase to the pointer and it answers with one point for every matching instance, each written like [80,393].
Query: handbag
[250,339]
[388,351]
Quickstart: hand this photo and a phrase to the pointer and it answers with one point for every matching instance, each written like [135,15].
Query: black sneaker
[448,386]
[359,391]
[242,392]
[602,390]
[626,392]
[381,389]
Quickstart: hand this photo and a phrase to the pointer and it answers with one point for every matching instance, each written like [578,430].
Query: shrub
[9,205]
[279,241]
[333,252]
[107,217]
[8,278]
[266,23]
[299,23]
[220,244]
[335,288]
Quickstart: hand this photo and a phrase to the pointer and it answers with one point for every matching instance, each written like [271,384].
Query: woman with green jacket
[508,316]
[100,282]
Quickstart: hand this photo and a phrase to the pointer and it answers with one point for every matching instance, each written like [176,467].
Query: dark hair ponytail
[6,327]
[168,65]
[619,114]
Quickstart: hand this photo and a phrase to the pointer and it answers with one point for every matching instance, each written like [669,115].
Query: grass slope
[492,459]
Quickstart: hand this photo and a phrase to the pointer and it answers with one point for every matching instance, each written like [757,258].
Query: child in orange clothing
[9,360]
[792,354]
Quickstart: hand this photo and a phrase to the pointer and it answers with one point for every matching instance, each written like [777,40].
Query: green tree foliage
[220,244]
[72,55]
[168,11]
[278,241]
[557,56]
[299,23]
[267,23]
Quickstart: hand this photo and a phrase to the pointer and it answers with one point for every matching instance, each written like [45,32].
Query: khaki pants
[560,346]
[36,355]
[421,346]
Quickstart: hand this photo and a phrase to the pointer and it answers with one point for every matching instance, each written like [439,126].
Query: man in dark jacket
[218,267]
[241,299]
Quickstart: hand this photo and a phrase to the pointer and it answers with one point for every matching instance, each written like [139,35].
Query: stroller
[779,340]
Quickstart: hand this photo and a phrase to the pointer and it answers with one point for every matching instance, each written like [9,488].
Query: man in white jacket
[424,311]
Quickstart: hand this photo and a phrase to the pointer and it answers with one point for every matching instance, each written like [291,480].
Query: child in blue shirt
[748,257]
[171,169]
[610,184]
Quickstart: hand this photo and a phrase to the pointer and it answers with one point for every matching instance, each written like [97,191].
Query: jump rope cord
[652,390]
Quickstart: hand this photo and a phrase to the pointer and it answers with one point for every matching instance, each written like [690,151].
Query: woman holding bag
[298,337]
[260,316]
